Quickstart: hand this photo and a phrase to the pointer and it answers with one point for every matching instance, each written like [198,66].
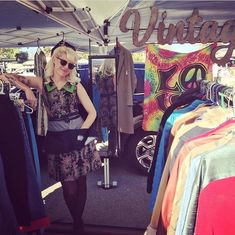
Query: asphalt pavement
[120,209]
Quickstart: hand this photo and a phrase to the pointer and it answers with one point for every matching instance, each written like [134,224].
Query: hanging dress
[108,108]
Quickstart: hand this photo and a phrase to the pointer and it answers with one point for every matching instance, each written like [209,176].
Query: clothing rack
[15,97]
[218,93]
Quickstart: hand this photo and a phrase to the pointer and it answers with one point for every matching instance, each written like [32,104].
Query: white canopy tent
[26,23]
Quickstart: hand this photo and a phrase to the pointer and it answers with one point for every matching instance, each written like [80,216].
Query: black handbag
[68,140]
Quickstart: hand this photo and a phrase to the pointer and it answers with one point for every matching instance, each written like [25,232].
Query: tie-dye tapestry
[167,75]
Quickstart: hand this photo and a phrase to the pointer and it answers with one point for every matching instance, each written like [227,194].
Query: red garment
[216,208]
[36,225]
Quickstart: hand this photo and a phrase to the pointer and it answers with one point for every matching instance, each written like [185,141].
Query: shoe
[78,229]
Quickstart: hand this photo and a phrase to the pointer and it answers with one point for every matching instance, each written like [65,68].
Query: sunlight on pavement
[50,189]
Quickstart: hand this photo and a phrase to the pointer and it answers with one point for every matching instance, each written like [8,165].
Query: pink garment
[216,208]
[214,130]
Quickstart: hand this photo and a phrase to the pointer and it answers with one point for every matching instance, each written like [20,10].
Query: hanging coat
[126,84]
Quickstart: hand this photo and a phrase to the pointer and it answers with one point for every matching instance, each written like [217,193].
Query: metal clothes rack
[218,93]
[213,90]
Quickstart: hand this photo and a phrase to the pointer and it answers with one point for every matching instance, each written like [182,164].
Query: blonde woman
[69,159]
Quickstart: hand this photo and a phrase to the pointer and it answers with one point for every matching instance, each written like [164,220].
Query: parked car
[138,147]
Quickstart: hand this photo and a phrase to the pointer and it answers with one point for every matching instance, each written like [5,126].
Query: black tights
[75,195]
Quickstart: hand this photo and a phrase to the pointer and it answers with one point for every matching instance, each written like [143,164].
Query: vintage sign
[208,32]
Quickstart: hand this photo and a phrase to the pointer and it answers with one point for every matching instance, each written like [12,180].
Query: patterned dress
[108,110]
[60,104]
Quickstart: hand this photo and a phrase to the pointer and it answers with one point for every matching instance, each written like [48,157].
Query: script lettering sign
[209,32]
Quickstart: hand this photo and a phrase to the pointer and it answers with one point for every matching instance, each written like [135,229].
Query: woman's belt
[70,124]
[66,118]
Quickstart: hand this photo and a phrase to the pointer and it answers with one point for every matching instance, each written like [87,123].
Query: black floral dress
[108,110]
[60,104]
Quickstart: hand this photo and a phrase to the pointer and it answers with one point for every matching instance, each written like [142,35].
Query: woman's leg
[82,197]
[75,195]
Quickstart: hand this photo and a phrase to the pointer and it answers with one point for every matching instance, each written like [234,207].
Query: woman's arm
[29,81]
[87,104]
[24,83]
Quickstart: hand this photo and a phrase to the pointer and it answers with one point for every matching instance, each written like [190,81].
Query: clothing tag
[89,139]
[80,137]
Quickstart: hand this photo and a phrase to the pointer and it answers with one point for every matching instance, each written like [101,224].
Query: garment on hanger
[126,84]
[173,194]
[8,222]
[162,152]
[22,186]
[189,165]
[39,66]
[183,99]
[167,75]
[36,206]
[194,164]
[216,208]
[107,115]
[108,110]
[213,167]
[12,152]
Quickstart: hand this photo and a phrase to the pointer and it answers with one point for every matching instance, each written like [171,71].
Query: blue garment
[33,144]
[36,206]
[105,134]
[96,97]
[186,196]
[161,157]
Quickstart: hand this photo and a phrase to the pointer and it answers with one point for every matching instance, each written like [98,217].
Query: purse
[68,140]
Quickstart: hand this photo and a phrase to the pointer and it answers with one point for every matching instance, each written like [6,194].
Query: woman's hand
[3,77]
[31,99]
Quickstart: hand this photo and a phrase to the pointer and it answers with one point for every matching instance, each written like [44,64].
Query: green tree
[138,57]
[8,53]
[47,51]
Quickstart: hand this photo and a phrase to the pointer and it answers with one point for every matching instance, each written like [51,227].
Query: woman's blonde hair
[107,67]
[71,55]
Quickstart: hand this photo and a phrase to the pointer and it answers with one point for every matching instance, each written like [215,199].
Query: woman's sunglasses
[64,62]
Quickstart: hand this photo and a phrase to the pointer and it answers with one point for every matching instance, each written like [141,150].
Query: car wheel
[140,149]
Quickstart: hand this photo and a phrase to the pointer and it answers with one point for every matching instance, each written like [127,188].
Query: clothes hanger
[222,104]
[224,97]
[214,91]
[229,96]
[210,94]
[21,104]
[38,49]
[209,91]
[2,88]
[203,86]
[28,109]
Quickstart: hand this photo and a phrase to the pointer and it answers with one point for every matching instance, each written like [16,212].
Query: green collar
[69,87]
